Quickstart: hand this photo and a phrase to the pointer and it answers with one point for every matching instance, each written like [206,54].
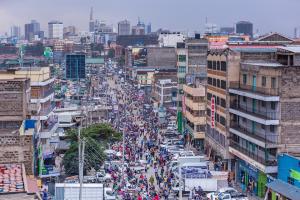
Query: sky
[177,15]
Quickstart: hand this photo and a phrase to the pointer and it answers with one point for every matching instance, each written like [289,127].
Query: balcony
[260,90]
[259,138]
[34,108]
[265,165]
[196,92]
[257,115]
[194,105]
[253,95]
[193,119]
[196,135]
[47,132]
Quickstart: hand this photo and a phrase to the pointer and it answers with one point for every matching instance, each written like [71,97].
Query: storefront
[250,177]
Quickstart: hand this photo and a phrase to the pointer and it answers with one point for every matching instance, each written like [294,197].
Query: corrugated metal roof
[294,49]
[285,189]
[94,60]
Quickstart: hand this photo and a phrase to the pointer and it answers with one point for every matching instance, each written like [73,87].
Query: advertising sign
[212,106]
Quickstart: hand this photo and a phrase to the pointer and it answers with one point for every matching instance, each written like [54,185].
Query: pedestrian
[151,180]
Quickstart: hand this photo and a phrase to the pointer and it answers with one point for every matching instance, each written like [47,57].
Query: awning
[284,189]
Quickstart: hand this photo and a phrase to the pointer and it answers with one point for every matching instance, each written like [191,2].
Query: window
[244,79]
[222,121]
[244,99]
[214,65]
[244,120]
[273,82]
[200,128]
[263,104]
[223,66]
[214,82]
[263,126]
[181,69]
[272,128]
[209,81]
[218,66]
[208,96]
[209,64]
[223,103]
[181,58]
[273,105]
[218,100]
[208,111]
[263,81]
[218,83]
[181,80]
[223,85]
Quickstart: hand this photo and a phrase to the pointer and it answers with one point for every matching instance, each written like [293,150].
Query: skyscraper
[149,28]
[92,21]
[55,30]
[244,27]
[124,27]
[15,31]
[32,29]
[75,66]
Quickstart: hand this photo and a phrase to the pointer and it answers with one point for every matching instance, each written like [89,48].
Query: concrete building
[41,110]
[164,93]
[245,28]
[69,31]
[32,30]
[15,31]
[138,30]
[264,115]
[124,27]
[16,131]
[55,30]
[227,30]
[170,39]
[194,108]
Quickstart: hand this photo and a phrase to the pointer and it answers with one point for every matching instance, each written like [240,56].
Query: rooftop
[284,189]
[293,49]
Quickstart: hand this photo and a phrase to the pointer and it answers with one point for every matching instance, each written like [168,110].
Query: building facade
[244,27]
[75,66]
[124,27]
[55,30]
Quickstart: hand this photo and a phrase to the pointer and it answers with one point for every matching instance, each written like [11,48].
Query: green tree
[111,53]
[96,137]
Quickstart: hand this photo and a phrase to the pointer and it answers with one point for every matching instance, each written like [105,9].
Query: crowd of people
[142,139]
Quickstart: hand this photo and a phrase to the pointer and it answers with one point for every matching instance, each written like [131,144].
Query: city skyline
[191,18]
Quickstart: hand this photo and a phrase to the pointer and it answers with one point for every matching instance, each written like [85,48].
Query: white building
[55,30]
[170,39]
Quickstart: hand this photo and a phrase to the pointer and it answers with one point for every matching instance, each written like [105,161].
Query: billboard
[139,56]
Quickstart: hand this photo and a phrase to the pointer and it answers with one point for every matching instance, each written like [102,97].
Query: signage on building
[212,114]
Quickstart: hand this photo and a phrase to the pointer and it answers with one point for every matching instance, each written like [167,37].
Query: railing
[271,115]
[256,134]
[46,111]
[254,156]
[262,90]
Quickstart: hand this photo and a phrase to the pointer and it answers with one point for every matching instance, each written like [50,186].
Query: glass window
[263,126]
[272,128]
[244,99]
[222,121]
[181,69]
[208,96]
[209,81]
[181,58]
[209,64]
[214,82]
[263,104]
[181,80]
[223,66]
[273,82]
[218,65]
[214,65]
[223,103]
[223,84]
[218,83]
[273,105]
[263,81]
[244,79]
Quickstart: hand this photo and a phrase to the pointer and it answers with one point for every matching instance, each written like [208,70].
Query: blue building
[75,66]
[289,169]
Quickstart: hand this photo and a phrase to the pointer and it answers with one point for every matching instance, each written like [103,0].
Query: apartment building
[194,109]
[41,108]
[264,116]
[164,93]
[16,131]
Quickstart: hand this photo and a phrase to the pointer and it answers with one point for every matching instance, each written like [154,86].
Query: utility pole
[81,148]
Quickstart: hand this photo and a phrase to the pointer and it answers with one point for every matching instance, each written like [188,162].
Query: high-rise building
[15,31]
[75,66]
[138,30]
[55,30]
[124,27]
[69,31]
[32,29]
[244,27]
[92,21]
[149,29]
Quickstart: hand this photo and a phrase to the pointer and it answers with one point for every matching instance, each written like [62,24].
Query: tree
[111,53]
[96,137]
